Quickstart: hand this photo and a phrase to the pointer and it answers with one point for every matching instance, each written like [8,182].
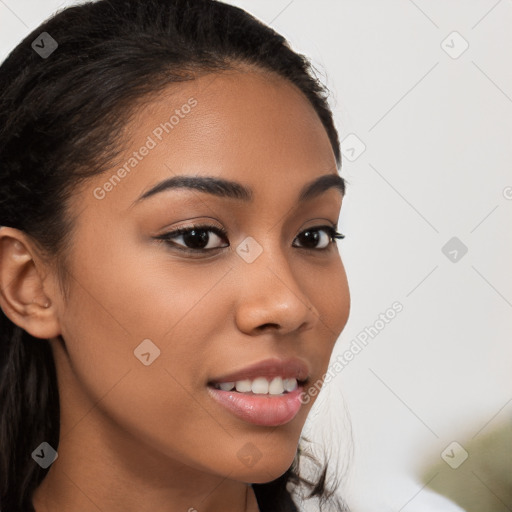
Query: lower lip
[265,410]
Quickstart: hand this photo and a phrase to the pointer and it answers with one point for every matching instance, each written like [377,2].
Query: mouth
[276,386]
[266,394]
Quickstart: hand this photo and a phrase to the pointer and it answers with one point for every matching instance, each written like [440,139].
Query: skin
[149,438]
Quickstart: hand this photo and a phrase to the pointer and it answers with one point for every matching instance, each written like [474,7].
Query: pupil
[311,237]
[197,242]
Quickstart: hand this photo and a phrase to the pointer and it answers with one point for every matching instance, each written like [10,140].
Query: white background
[437,164]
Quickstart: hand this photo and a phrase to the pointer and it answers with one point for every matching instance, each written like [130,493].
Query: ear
[22,286]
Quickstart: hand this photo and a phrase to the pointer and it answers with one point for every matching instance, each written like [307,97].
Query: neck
[62,490]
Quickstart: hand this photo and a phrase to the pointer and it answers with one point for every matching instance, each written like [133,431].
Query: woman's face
[149,324]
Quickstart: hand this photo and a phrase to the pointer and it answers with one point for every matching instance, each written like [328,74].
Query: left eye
[313,236]
[196,238]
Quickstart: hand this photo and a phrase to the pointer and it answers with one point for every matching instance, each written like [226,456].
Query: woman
[171,288]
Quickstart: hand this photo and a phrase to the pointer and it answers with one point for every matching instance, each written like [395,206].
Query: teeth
[227,386]
[243,386]
[261,386]
[290,384]
[276,387]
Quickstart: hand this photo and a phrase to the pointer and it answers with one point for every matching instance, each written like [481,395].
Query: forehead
[243,125]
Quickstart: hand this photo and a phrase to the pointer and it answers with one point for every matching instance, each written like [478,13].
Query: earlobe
[22,294]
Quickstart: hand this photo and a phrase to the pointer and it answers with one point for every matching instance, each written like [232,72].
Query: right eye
[195,238]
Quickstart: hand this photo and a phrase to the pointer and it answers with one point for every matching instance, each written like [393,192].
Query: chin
[265,470]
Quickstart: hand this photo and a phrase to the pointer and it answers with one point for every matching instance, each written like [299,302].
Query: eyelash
[221,233]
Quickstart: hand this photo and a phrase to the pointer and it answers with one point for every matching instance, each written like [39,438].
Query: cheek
[338,296]
[125,294]
[329,292]
[120,298]
[164,403]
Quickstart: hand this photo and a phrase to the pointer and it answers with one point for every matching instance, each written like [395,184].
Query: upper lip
[286,368]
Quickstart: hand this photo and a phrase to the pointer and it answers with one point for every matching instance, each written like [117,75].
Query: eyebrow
[221,187]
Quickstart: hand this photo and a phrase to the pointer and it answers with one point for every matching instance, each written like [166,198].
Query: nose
[270,297]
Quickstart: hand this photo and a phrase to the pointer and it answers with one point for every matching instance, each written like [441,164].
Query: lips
[264,411]
[270,368]
[271,410]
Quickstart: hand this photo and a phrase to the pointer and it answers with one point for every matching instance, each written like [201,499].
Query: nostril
[265,326]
